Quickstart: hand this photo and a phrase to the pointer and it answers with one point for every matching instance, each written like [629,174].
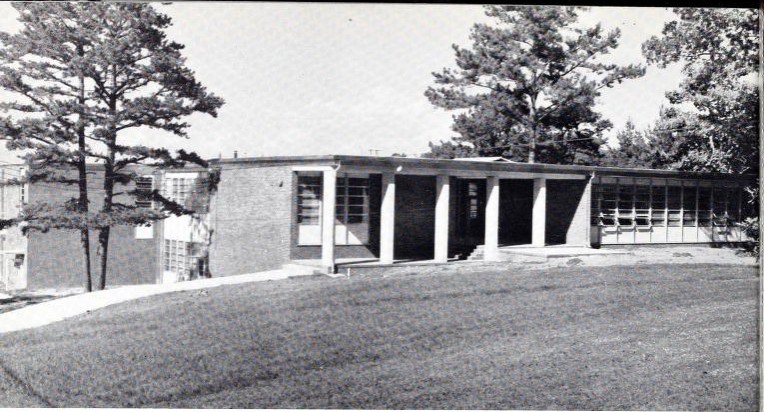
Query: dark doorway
[470,223]
[414,217]
[515,211]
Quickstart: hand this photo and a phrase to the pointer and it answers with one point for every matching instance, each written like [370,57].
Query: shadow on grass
[20,301]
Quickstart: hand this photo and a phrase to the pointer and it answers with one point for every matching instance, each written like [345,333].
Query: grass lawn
[680,337]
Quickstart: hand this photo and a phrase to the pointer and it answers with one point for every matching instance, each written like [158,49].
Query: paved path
[56,310]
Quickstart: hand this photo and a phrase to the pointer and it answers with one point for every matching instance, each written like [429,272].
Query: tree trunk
[83,181]
[85,240]
[103,231]
[103,246]
[108,182]
[532,117]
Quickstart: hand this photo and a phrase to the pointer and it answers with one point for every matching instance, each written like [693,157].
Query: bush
[751,229]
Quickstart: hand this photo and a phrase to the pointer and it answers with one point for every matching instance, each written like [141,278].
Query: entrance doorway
[470,225]
[515,211]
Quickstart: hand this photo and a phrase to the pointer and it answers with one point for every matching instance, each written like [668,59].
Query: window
[177,189]
[719,206]
[351,210]
[704,206]
[472,193]
[733,204]
[144,185]
[309,200]
[352,200]
[625,202]
[642,202]
[674,204]
[608,195]
[183,258]
[658,205]
[175,256]
[689,205]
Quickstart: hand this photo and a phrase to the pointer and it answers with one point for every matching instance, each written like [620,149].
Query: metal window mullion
[634,210]
[681,206]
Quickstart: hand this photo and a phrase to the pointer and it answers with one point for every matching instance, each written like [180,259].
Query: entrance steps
[525,252]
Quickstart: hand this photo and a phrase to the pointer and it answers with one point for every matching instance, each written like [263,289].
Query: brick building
[267,212]
[166,251]
[270,211]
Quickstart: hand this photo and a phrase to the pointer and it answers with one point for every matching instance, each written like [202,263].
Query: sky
[302,79]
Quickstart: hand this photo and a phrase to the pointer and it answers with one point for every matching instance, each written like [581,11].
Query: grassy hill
[654,337]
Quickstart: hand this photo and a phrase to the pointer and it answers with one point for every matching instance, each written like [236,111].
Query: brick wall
[567,212]
[55,258]
[251,216]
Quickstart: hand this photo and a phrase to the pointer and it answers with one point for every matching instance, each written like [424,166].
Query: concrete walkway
[56,310]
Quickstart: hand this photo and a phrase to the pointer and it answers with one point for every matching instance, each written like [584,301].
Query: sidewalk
[56,310]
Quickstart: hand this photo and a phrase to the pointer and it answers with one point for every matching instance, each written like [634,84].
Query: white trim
[312,168]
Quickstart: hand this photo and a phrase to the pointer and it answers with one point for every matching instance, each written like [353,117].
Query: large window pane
[658,205]
[689,204]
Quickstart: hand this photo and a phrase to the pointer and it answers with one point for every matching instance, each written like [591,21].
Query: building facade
[270,211]
[165,251]
[267,212]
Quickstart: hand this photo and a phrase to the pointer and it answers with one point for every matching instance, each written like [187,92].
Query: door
[14,272]
[472,211]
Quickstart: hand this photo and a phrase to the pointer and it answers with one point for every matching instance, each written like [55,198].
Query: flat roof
[446,165]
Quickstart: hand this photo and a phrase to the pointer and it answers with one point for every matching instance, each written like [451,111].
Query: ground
[680,337]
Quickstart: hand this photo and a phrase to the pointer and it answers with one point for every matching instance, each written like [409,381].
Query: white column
[387,219]
[539,212]
[328,206]
[491,251]
[441,218]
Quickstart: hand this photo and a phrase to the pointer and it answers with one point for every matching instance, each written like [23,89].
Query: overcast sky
[345,78]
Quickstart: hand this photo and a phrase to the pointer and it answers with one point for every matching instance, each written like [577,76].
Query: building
[166,251]
[270,211]
[267,212]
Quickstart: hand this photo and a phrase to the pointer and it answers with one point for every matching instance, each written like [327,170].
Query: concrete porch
[552,251]
[517,253]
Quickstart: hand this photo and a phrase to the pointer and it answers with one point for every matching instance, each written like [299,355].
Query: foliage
[450,150]
[718,50]
[751,227]
[88,72]
[715,117]
[632,150]
[527,87]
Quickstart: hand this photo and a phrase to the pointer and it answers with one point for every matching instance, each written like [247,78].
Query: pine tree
[527,87]
[632,149]
[45,66]
[133,77]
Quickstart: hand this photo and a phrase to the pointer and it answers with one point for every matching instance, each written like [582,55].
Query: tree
[526,90]
[718,49]
[133,77]
[632,150]
[45,64]
[719,53]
